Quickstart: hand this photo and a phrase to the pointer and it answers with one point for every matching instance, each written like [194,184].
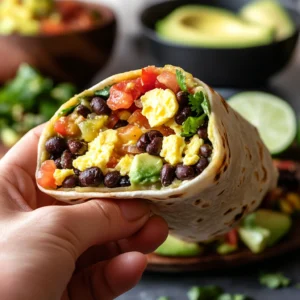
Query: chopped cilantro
[195,102]
[232,297]
[104,92]
[206,106]
[163,298]
[191,125]
[274,280]
[249,221]
[181,80]
[67,110]
[210,292]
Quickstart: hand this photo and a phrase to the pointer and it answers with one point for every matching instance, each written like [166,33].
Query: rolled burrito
[162,135]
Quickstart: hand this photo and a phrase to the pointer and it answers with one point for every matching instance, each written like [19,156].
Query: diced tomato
[232,237]
[52,27]
[66,127]
[113,160]
[112,120]
[129,133]
[148,79]
[45,175]
[169,80]
[138,119]
[123,94]
[159,85]
[165,130]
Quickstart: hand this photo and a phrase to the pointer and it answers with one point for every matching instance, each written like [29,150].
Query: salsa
[33,17]
[152,130]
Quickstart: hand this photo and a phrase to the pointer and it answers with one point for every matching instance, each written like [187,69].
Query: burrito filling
[151,130]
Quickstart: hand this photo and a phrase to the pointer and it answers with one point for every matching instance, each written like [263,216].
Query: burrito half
[162,135]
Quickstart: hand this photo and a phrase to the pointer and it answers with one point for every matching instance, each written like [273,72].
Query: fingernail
[134,210]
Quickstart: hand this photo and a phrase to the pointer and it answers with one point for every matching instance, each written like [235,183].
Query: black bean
[182,115]
[155,146]
[120,123]
[83,110]
[143,142]
[184,172]
[58,163]
[112,179]
[66,160]
[153,134]
[99,106]
[77,147]
[124,181]
[202,133]
[91,177]
[56,145]
[70,182]
[167,174]
[206,150]
[76,171]
[201,165]
[182,98]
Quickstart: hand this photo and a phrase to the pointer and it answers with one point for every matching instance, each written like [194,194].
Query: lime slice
[273,117]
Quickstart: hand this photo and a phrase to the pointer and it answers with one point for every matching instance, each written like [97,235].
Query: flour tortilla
[234,183]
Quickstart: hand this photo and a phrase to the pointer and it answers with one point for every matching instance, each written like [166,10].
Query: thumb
[96,221]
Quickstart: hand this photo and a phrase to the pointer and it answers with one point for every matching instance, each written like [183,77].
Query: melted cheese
[159,106]
[99,152]
[172,149]
[192,151]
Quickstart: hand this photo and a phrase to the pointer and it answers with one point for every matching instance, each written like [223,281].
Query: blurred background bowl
[233,67]
[74,56]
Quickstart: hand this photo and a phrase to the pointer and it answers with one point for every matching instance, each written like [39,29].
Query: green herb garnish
[249,221]
[67,110]
[195,102]
[210,292]
[274,280]
[163,298]
[205,105]
[104,92]
[232,297]
[180,77]
[191,125]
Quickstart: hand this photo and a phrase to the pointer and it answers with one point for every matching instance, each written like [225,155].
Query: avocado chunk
[264,228]
[225,248]
[255,239]
[145,168]
[207,26]
[269,13]
[176,247]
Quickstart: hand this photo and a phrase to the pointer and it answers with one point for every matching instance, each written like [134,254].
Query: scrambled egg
[192,151]
[100,150]
[124,164]
[172,149]
[90,127]
[176,127]
[61,175]
[159,106]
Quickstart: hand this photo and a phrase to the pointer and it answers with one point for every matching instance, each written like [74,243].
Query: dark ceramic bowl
[74,56]
[242,67]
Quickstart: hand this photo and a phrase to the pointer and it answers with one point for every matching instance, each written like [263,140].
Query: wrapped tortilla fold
[162,135]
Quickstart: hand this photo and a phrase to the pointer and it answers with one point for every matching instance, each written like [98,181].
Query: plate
[242,257]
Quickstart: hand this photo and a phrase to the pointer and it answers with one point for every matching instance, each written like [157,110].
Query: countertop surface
[130,53]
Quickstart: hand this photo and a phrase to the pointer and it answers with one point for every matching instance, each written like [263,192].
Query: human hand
[51,251]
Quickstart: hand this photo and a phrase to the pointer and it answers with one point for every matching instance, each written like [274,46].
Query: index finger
[24,153]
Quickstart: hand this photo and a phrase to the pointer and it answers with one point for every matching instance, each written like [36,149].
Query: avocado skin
[203,26]
[269,13]
[176,247]
[267,229]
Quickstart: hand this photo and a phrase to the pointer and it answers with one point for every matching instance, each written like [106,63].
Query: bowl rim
[151,33]
[100,25]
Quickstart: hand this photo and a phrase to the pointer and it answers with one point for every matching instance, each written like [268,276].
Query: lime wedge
[273,117]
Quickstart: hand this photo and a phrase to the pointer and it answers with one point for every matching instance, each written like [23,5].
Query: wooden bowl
[74,56]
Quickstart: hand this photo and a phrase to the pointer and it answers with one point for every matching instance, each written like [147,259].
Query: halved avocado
[173,246]
[207,26]
[269,13]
